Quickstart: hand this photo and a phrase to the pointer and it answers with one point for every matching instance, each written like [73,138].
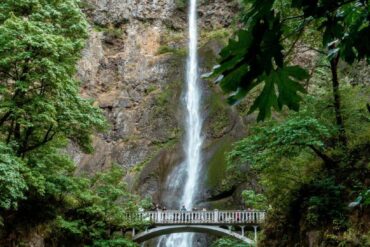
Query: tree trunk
[337,102]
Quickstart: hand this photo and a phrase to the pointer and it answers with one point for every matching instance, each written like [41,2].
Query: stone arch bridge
[233,224]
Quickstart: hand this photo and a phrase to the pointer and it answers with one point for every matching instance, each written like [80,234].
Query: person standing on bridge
[204,210]
[195,214]
[183,210]
[164,209]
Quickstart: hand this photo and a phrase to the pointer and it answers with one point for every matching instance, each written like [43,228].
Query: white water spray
[193,127]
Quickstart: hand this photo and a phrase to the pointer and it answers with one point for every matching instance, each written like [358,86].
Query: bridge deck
[170,229]
[175,217]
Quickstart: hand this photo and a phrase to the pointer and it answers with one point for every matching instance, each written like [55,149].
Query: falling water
[193,143]
[190,168]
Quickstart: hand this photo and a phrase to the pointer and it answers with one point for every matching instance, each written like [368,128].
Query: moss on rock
[217,165]
[181,4]
[221,35]
[219,115]
[165,49]
[222,204]
[110,31]
[166,96]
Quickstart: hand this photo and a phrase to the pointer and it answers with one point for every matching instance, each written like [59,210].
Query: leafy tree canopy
[40,43]
[40,113]
[257,56]
[12,183]
[270,144]
[227,242]
[254,200]
[306,178]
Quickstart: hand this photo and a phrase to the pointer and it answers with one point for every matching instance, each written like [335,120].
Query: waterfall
[193,126]
[190,168]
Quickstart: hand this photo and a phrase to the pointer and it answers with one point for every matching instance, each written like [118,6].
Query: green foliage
[219,114]
[306,179]
[118,242]
[349,238]
[56,18]
[110,31]
[164,49]
[253,200]
[166,96]
[355,114]
[228,242]
[96,207]
[237,76]
[217,164]
[40,113]
[171,37]
[221,35]
[269,144]
[309,166]
[325,204]
[258,54]
[40,43]
[147,203]
[343,22]
[287,81]
[12,183]
[181,4]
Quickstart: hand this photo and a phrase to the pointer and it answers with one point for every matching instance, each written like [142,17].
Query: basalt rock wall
[133,66]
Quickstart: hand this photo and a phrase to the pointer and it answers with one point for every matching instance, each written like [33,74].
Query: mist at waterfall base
[185,177]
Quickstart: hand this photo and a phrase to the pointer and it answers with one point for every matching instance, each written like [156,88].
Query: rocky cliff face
[133,66]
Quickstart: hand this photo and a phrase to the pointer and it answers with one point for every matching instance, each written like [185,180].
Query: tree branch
[292,18]
[5,117]
[329,162]
[10,131]
[294,43]
[17,131]
[46,139]
[25,141]
[48,133]
[8,74]
[337,99]
[309,48]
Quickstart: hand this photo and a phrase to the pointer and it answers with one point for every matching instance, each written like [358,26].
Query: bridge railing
[173,217]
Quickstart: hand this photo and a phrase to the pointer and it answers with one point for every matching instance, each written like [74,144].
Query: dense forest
[41,111]
[313,159]
[299,68]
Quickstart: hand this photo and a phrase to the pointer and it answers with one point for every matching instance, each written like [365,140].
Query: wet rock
[134,66]
[154,176]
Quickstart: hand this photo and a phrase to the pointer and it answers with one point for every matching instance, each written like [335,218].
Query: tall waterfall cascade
[193,127]
[191,166]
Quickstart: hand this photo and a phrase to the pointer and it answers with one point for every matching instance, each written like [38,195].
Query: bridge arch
[163,230]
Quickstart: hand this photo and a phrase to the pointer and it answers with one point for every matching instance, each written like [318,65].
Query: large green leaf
[289,86]
[281,87]
[256,55]
[267,99]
